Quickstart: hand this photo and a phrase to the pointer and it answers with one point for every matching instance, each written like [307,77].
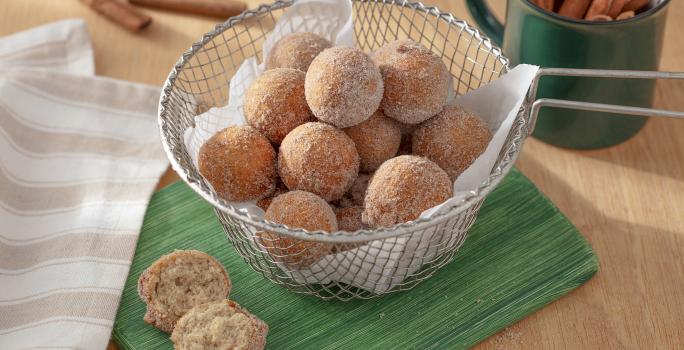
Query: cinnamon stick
[635,5]
[616,7]
[120,13]
[218,8]
[625,15]
[598,7]
[545,4]
[600,18]
[574,8]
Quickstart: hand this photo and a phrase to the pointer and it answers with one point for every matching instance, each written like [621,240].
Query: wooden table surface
[627,200]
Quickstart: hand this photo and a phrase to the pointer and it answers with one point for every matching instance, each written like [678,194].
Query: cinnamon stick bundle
[545,4]
[120,13]
[217,8]
[600,18]
[635,5]
[594,10]
[598,8]
[616,7]
[574,8]
[625,15]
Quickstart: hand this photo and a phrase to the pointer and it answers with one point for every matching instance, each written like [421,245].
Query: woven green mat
[521,254]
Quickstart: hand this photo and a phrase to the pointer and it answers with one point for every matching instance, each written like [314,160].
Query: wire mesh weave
[367,263]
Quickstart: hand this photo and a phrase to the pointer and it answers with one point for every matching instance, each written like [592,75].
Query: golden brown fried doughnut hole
[320,159]
[298,209]
[416,81]
[453,139]
[239,163]
[402,188]
[275,103]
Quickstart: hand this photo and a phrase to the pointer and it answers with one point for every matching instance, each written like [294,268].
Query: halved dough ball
[453,139]
[240,163]
[298,209]
[221,325]
[275,103]
[416,81]
[320,159]
[343,86]
[179,281]
[402,188]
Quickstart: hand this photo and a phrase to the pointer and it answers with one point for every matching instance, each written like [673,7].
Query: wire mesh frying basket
[368,263]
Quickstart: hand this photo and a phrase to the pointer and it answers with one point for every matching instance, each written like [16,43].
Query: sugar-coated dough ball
[296,51]
[416,81]
[453,139]
[240,163]
[320,159]
[377,139]
[349,219]
[402,188]
[343,86]
[301,209]
[265,202]
[298,209]
[356,193]
[275,103]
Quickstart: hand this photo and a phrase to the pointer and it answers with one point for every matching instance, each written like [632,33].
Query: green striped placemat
[521,254]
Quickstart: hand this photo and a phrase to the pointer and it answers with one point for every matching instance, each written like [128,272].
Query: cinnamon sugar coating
[453,139]
[320,159]
[416,81]
[298,209]
[402,188]
[356,193]
[377,139]
[275,103]
[349,218]
[343,86]
[265,202]
[296,51]
[239,163]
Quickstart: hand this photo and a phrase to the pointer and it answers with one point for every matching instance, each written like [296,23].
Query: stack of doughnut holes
[321,148]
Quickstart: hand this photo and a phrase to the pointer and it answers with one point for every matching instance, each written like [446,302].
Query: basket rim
[495,176]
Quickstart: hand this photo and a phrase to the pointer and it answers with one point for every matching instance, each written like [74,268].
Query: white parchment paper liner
[497,103]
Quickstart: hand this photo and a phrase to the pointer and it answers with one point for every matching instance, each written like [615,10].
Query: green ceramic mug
[534,36]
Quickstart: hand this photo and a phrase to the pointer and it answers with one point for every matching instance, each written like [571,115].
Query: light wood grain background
[627,200]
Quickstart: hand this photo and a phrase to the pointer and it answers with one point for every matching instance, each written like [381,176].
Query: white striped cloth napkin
[79,158]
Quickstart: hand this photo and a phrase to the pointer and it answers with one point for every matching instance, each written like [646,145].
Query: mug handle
[485,20]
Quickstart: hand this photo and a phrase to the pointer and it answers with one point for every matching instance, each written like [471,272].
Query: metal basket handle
[598,107]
